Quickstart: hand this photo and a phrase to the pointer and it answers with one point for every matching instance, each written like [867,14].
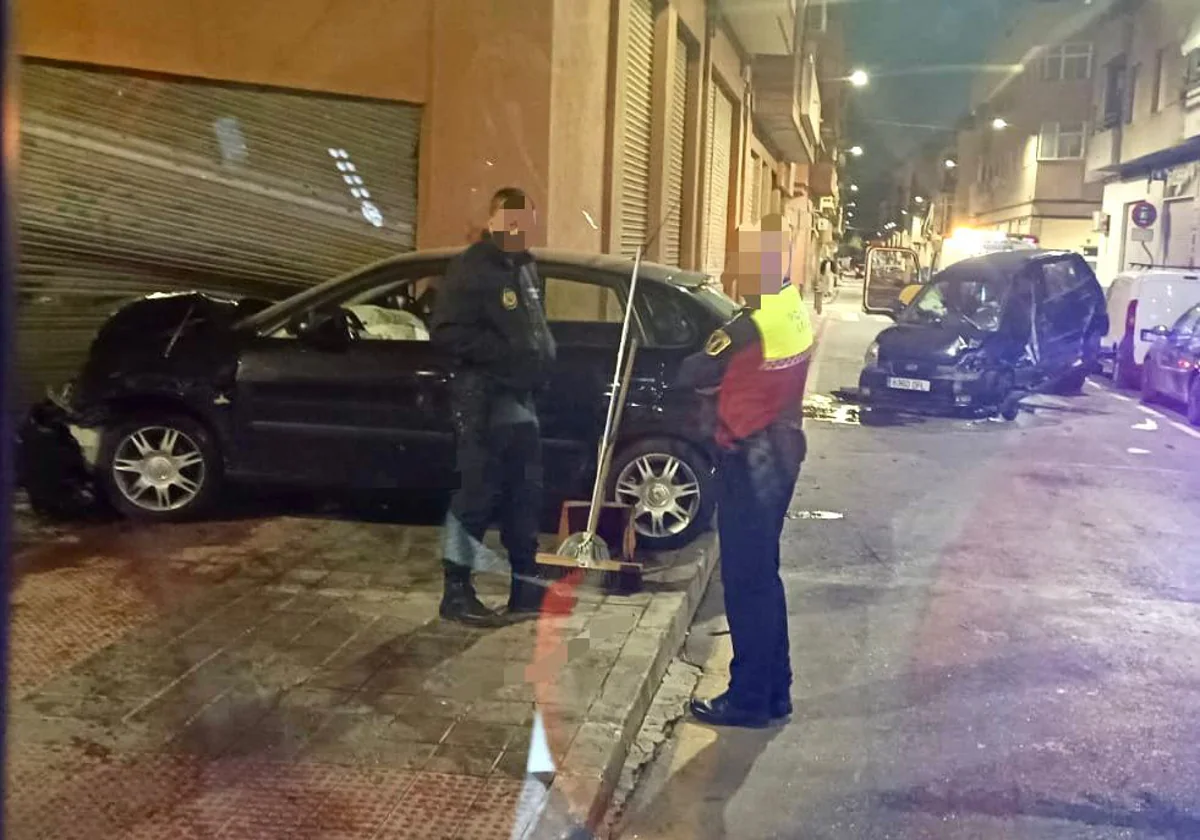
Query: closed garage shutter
[635,135]
[1180,232]
[720,127]
[676,129]
[132,184]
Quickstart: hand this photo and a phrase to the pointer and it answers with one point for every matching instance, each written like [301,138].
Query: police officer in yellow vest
[757,368]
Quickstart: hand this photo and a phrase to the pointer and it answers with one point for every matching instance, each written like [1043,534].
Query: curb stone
[597,755]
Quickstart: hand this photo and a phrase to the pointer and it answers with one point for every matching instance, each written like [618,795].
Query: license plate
[903,384]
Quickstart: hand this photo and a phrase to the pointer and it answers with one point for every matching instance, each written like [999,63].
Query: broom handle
[608,445]
[598,485]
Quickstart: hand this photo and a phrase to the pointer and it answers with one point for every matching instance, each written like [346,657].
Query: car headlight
[871,359]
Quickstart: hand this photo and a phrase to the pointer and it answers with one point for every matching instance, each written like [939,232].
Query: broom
[586,547]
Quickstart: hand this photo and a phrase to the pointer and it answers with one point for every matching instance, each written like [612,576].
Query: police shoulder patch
[717,343]
[509,299]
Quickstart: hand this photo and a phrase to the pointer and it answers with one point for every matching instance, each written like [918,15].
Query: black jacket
[489,317]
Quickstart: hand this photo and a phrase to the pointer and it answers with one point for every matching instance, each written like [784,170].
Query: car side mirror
[327,331]
[1155,333]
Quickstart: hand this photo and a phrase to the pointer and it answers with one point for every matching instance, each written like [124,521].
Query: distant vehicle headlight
[871,359]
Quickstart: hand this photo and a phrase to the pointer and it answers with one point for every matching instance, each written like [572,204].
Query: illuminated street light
[999,124]
[852,204]
[854,188]
[920,199]
[859,78]
[951,163]
[857,151]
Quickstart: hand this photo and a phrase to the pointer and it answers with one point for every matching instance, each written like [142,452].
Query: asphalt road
[995,630]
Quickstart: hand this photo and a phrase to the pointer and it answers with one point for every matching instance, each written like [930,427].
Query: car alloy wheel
[664,492]
[158,468]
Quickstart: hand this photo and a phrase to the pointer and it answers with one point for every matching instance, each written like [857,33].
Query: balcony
[764,27]
[778,108]
[823,180]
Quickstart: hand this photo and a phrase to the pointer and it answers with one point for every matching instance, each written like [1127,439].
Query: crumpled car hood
[937,344]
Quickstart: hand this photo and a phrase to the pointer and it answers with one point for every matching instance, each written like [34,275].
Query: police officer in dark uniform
[489,318]
[757,366]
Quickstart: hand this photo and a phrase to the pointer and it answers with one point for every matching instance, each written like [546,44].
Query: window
[1185,327]
[1157,82]
[666,315]
[1134,72]
[1067,62]
[1114,91]
[1060,278]
[1061,141]
[575,301]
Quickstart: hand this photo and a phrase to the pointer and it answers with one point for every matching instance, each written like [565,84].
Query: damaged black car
[339,387]
[987,330]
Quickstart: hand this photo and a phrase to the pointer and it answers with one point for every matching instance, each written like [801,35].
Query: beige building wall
[513,92]
[481,69]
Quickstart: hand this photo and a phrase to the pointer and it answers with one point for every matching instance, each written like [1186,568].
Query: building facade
[243,150]
[1021,152]
[1145,145]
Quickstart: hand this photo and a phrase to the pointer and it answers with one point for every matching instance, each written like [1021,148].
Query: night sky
[891,38]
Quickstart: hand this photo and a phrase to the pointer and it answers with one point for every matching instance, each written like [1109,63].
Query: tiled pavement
[289,678]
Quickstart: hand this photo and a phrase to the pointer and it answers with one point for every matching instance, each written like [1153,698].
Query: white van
[1139,301]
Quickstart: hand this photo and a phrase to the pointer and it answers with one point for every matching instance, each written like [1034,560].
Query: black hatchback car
[181,393]
[1171,370]
[986,329]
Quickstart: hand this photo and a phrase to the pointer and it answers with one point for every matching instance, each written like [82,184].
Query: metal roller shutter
[635,134]
[720,127]
[133,184]
[673,229]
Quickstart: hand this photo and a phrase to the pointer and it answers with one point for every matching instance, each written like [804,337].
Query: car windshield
[978,302]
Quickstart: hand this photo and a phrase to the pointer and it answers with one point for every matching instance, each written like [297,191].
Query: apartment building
[240,148]
[1144,147]
[1021,153]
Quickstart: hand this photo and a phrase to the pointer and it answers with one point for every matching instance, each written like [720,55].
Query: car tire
[1125,373]
[1149,392]
[160,467]
[641,474]
[1072,384]
[1193,402]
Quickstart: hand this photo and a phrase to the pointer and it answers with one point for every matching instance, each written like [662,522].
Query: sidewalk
[289,678]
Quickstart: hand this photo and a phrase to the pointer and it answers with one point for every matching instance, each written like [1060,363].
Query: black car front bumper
[950,392]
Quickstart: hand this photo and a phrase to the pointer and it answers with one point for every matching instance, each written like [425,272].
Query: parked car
[1171,368]
[183,393]
[1137,302]
[986,328]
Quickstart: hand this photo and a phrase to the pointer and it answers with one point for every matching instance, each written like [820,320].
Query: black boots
[459,601]
[461,604]
[525,597]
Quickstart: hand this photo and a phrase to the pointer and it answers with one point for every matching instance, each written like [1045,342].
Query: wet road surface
[995,631]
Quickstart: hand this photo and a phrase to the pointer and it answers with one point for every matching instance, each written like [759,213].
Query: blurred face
[760,265]
[511,227]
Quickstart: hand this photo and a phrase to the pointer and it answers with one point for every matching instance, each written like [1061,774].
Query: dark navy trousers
[756,480]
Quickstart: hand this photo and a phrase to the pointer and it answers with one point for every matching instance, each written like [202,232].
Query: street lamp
[999,124]
[852,204]
[859,78]
[857,151]
[920,199]
[854,188]
[951,163]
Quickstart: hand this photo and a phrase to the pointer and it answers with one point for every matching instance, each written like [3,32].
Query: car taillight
[1130,317]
